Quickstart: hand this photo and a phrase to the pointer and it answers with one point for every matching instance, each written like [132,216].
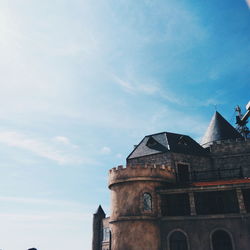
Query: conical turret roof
[219,129]
[100,211]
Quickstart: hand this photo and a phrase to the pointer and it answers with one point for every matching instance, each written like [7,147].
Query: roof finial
[242,120]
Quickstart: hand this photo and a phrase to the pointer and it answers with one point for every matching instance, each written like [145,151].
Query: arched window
[147,202]
[178,241]
[221,240]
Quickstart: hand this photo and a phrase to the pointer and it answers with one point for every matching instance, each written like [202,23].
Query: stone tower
[135,205]
[97,228]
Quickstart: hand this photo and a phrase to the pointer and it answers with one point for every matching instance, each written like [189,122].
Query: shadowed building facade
[176,194]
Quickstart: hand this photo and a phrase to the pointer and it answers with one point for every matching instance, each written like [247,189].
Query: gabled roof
[219,129]
[166,142]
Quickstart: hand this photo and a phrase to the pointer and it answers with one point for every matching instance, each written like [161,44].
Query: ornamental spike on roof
[219,129]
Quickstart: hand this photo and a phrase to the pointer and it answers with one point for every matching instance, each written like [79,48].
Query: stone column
[192,203]
[241,201]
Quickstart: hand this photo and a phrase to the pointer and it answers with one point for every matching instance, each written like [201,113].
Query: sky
[83,81]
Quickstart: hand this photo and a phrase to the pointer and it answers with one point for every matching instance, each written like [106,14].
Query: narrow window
[147,202]
[178,241]
[110,240]
[183,173]
[106,234]
[221,240]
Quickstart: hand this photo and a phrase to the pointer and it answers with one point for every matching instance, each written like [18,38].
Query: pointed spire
[100,211]
[219,129]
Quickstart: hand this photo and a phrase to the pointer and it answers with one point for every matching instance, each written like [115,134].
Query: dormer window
[183,141]
[151,142]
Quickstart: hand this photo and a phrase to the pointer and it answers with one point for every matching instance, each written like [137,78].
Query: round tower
[135,206]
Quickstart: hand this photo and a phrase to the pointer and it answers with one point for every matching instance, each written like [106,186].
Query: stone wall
[196,162]
[199,230]
[231,154]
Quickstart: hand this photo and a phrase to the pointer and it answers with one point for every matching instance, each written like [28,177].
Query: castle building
[176,194]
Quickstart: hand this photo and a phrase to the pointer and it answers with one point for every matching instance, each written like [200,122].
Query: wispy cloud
[134,87]
[152,88]
[43,147]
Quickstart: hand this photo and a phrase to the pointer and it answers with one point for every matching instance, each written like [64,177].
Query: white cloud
[133,87]
[105,150]
[41,147]
[65,141]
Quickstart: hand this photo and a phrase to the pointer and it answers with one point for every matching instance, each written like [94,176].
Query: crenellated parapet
[161,173]
[230,146]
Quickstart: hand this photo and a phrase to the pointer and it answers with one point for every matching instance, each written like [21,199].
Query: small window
[178,241]
[147,202]
[182,141]
[106,234]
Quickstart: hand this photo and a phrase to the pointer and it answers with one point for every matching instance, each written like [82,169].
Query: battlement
[147,172]
[231,146]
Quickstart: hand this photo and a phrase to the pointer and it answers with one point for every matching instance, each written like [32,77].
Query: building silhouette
[176,194]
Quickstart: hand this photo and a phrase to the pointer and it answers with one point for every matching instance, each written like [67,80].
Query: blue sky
[83,81]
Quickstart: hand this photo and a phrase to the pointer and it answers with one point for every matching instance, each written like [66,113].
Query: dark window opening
[175,205]
[216,202]
[110,240]
[183,173]
[246,196]
[178,241]
[183,141]
[221,241]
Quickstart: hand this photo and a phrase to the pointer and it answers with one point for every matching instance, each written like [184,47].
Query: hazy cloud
[105,150]
[41,147]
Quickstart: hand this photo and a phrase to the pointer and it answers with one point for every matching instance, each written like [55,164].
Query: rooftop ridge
[164,132]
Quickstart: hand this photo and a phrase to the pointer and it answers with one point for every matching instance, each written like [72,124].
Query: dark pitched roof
[100,211]
[166,142]
[219,129]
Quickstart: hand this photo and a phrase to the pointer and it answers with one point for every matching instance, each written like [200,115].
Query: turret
[135,205]
[219,129]
[97,228]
